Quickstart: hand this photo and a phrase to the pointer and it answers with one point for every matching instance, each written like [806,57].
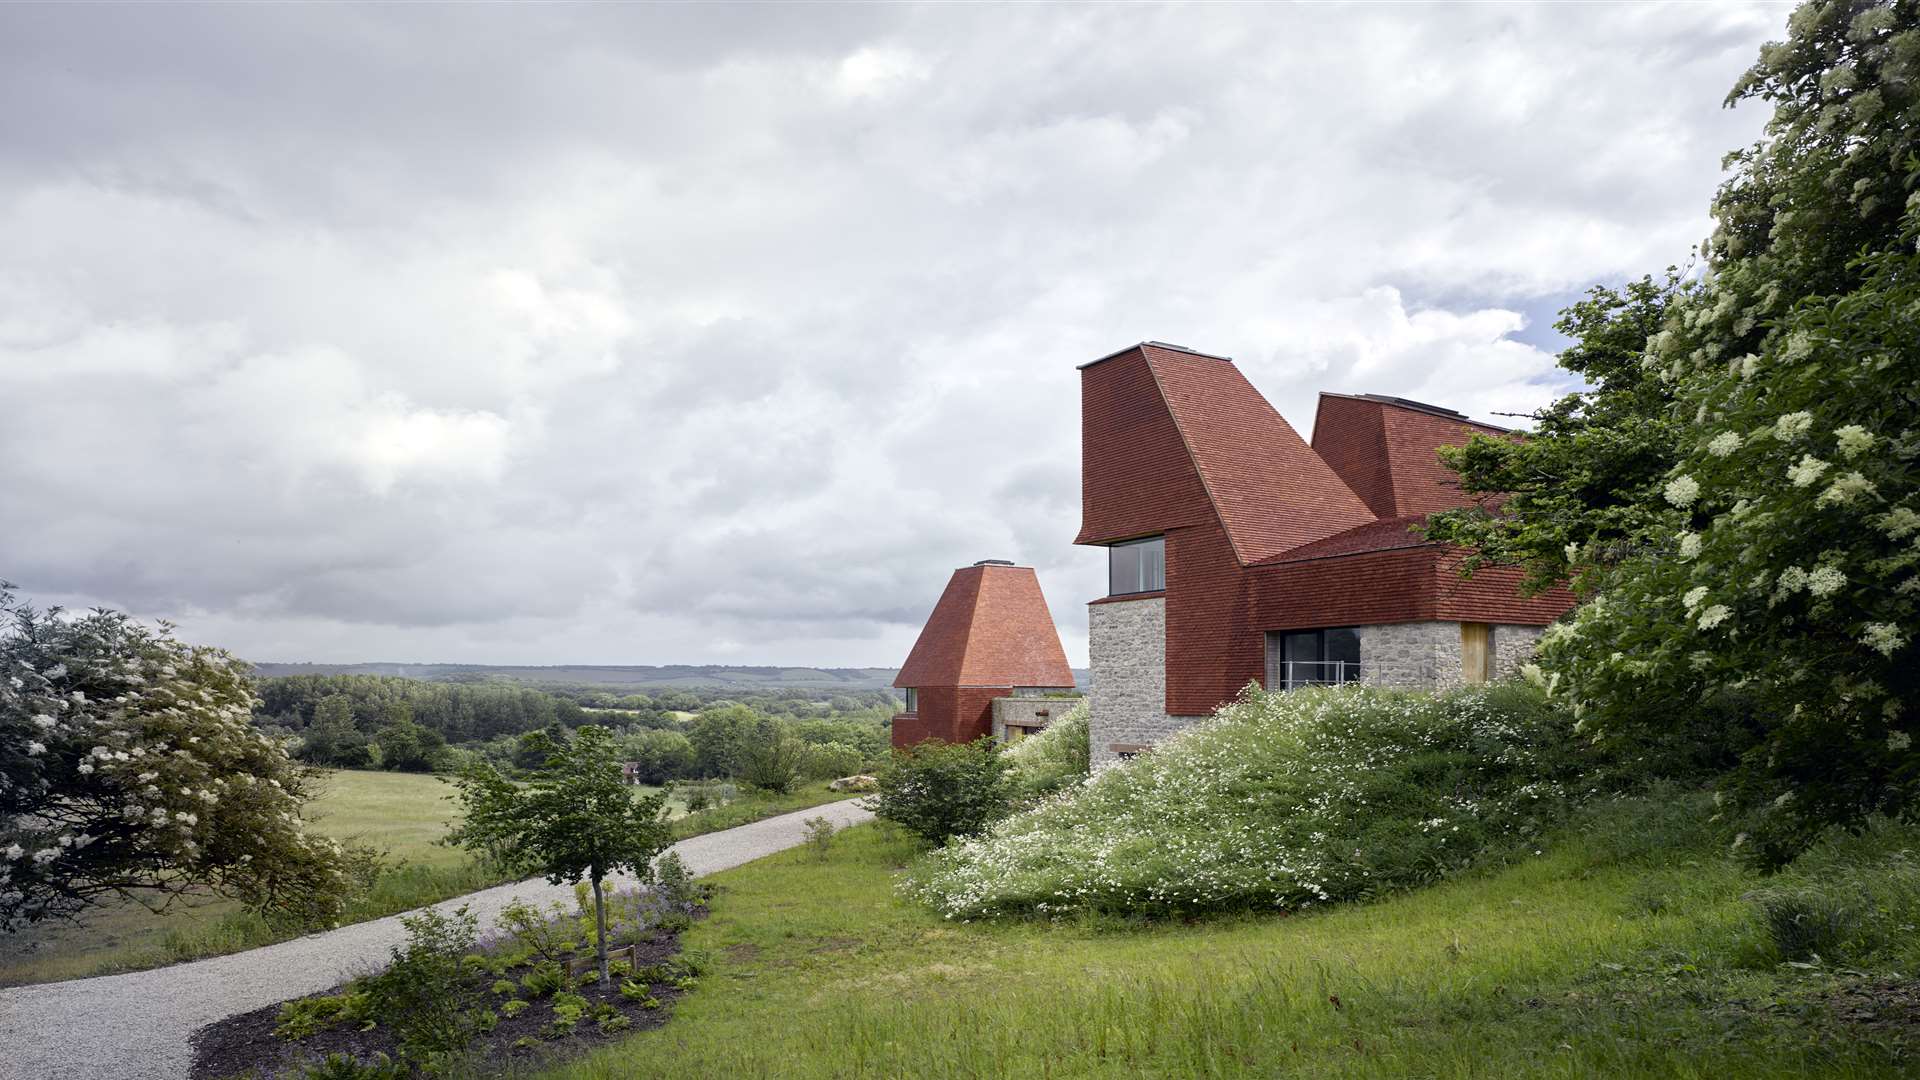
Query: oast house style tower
[990,636]
[1239,553]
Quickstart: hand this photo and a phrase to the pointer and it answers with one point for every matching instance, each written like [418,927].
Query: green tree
[938,791]
[660,755]
[408,747]
[722,736]
[129,768]
[575,817]
[1768,576]
[773,764]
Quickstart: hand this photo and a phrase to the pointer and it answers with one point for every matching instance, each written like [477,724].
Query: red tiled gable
[1388,451]
[1267,487]
[990,628]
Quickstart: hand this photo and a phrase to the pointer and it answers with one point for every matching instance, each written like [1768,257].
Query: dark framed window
[1137,566]
[1325,657]
[913,700]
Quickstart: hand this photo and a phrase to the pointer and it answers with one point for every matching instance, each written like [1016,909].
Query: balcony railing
[1288,674]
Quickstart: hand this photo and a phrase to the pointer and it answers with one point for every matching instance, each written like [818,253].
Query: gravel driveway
[136,1026]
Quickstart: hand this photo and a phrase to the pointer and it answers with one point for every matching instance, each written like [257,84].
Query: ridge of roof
[1417,406]
[1143,345]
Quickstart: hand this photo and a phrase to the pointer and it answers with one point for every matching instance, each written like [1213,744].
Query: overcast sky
[722,334]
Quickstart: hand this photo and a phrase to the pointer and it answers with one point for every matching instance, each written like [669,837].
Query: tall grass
[1553,964]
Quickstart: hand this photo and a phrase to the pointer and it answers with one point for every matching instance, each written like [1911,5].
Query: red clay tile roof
[1388,534]
[1269,488]
[1387,450]
[990,628]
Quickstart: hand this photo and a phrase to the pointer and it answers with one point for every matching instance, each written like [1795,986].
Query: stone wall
[1428,655]
[1028,711]
[1415,654]
[1127,647]
[1512,647]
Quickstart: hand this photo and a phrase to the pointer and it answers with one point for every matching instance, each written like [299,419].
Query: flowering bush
[129,766]
[1052,758]
[1280,800]
[938,791]
[1784,565]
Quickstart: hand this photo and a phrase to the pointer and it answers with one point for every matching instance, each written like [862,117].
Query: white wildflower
[1854,440]
[44,722]
[1689,545]
[1808,470]
[14,851]
[1714,616]
[35,749]
[1825,581]
[1724,444]
[84,768]
[1693,597]
[1883,638]
[46,855]
[1898,740]
[1682,490]
[1792,426]
[1900,522]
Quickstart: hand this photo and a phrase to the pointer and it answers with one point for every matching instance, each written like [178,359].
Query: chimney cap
[994,562]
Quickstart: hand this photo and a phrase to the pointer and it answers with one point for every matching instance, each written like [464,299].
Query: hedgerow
[1280,800]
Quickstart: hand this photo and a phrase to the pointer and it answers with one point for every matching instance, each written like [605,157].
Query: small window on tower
[1137,566]
[913,700]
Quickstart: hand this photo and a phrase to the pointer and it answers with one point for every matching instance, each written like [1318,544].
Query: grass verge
[1625,947]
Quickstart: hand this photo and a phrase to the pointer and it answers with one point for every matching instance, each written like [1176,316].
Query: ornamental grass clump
[1281,800]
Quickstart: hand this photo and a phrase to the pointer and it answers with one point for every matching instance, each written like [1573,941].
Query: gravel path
[136,1026]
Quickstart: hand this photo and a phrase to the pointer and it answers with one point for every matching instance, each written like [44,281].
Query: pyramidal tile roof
[990,628]
[1270,489]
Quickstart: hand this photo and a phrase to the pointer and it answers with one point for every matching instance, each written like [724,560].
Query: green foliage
[346,1067]
[408,747]
[421,996]
[773,764]
[299,1019]
[661,756]
[831,760]
[544,978]
[511,1009]
[938,791]
[574,818]
[1766,569]
[129,768]
[723,736]
[1055,757]
[1282,800]
[820,833]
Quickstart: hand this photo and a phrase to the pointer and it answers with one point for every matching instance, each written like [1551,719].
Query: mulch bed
[245,1045]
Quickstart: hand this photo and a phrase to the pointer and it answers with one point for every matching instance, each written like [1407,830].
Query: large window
[1137,566]
[1327,657]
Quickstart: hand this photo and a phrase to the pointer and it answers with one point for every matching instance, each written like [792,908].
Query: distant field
[403,813]
[638,676]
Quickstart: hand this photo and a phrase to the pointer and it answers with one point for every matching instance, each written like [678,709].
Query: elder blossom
[14,851]
[1724,444]
[1694,596]
[1682,490]
[1900,522]
[1884,638]
[1792,426]
[1808,470]
[1689,545]
[1825,581]
[44,722]
[1714,616]
[1898,740]
[35,749]
[1854,440]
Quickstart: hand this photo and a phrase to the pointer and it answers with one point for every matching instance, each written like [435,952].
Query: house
[986,659]
[1238,552]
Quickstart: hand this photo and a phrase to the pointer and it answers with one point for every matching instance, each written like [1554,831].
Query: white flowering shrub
[1779,584]
[1280,800]
[129,766]
[1052,758]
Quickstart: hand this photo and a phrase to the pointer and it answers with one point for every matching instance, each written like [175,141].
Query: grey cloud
[707,332]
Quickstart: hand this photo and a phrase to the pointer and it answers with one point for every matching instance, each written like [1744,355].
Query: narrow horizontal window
[1137,566]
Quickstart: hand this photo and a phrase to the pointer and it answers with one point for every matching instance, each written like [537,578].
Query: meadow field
[1628,945]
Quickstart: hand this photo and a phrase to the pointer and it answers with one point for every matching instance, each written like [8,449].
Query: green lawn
[1614,952]
[403,813]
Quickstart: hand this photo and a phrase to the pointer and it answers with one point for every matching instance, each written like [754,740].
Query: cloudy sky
[721,334]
